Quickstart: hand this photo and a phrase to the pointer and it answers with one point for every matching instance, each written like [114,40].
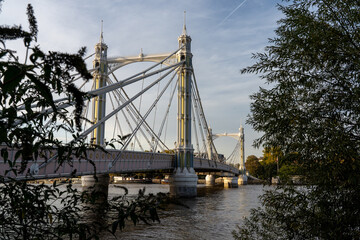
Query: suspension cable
[153,140]
[138,114]
[195,129]
[144,117]
[89,130]
[123,83]
[234,153]
[138,119]
[172,93]
[120,99]
[108,88]
[200,123]
[167,118]
[204,119]
[126,119]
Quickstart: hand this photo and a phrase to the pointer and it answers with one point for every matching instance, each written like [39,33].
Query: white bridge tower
[240,136]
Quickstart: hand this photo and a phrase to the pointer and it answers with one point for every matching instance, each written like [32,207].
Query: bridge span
[99,162]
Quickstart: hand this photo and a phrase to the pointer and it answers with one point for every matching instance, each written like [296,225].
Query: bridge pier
[100,187]
[230,182]
[243,179]
[183,183]
[210,180]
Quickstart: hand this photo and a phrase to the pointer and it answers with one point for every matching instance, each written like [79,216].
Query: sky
[224,35]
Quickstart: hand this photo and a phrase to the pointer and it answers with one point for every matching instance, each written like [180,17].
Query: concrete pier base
[210,180]
[230,182]
[243,179]
[100,187]
[183,183]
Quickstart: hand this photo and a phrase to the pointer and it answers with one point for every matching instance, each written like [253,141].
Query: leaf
[43,89]
[50,218]
[133,217]
[4,154]
[114,226]
[12,78]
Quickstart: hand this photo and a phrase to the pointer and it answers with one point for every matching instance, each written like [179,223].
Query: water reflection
[212,215]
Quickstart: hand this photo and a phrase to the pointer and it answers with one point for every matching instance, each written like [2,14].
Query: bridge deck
[128,161]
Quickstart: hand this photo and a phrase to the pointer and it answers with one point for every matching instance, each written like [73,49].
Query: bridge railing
[129,161]
[99,162]
[203,164]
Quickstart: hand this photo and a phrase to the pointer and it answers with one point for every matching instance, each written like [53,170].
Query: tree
[311,108]
[29,119]
[270,162]
[253,166]
[289,167]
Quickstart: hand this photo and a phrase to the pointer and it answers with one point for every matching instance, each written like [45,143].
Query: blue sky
[224,35]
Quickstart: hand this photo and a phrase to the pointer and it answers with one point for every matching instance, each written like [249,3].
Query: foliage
[272,154]
[54,212]
[270,162]
[311,108]
[304,213]
[290,167]
[30,116]
[253,166]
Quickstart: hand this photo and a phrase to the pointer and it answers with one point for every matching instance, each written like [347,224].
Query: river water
[214,214]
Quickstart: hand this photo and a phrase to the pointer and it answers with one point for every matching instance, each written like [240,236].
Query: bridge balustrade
[98,161]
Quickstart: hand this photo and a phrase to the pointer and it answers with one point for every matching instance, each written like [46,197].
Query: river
[214,214]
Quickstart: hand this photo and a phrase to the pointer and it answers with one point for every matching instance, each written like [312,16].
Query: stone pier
[230,182]
[210,180]
[183,183]
[243,179]
[100,187]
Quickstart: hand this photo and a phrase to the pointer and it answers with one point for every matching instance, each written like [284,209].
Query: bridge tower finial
[101,33]
[184,27]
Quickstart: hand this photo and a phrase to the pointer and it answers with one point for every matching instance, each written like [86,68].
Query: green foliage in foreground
[311,109]
[304,213]
[52,212]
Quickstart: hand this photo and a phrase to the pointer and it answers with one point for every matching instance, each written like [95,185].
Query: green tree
[311,108]
[270,162]
[253,166]
[29,120]
[289,167]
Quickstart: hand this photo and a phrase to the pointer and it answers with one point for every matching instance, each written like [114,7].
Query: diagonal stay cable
[127,79]
[130,111]
[137,113]
[142,120]
[106,89]
[166,114]
[195,129]
[126,118]
[202,112]
[232,156]
[200,122]
[89,130]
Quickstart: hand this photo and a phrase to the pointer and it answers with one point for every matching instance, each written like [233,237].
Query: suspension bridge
[145,145]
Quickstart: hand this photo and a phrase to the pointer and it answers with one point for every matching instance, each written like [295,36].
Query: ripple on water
[214,214]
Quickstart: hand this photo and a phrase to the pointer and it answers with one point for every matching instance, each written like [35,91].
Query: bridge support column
[99,187]
[183,183]
[210,180]
[184,180]
[242,179]
[230,182]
